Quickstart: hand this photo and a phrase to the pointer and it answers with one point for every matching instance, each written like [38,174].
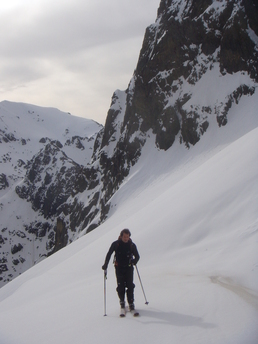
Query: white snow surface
[193,216]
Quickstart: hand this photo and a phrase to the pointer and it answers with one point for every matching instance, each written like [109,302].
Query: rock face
[198,62]
[188,40]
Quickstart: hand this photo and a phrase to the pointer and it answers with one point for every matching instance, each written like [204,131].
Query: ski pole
[105,292]
[146,303]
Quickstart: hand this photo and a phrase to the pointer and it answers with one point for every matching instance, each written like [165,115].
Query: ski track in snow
[246,294]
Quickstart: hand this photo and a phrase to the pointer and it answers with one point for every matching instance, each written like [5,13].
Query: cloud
[71,52]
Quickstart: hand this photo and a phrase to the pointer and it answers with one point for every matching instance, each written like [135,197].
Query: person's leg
[120,277]
[130,286]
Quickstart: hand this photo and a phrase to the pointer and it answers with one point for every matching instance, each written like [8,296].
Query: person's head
[125,235]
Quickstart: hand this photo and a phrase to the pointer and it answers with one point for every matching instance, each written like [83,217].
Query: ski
[123,312]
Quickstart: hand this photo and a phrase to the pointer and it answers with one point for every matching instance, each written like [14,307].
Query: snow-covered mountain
[198,62]
[51,150]
[193,216]
[176,163]
[60,175]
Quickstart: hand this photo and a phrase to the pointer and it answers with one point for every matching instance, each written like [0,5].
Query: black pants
[124,276]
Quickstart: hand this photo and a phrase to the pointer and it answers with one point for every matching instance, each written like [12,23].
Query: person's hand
[104,267]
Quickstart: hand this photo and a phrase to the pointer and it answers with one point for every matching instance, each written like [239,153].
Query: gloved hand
[134,262]
[104,267]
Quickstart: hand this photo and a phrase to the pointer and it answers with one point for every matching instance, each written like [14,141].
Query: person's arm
[108,256]
[135,254]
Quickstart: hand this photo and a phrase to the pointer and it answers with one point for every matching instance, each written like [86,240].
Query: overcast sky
[71,54]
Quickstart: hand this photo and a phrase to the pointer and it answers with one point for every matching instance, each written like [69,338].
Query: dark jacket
[126,254]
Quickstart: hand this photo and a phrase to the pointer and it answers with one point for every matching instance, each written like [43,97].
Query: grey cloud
[69,28]
[82,48]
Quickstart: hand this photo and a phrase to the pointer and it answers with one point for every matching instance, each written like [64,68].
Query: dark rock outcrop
[189,40]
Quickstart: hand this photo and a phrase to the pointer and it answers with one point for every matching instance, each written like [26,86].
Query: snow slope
[193,215]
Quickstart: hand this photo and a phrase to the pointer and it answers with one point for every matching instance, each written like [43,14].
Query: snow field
[197,237]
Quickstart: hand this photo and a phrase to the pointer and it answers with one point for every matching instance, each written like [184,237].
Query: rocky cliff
[197,60]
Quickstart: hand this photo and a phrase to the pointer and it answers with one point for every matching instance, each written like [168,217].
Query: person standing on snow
[126,255]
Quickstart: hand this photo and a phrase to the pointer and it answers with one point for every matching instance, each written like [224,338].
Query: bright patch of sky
[71,55]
